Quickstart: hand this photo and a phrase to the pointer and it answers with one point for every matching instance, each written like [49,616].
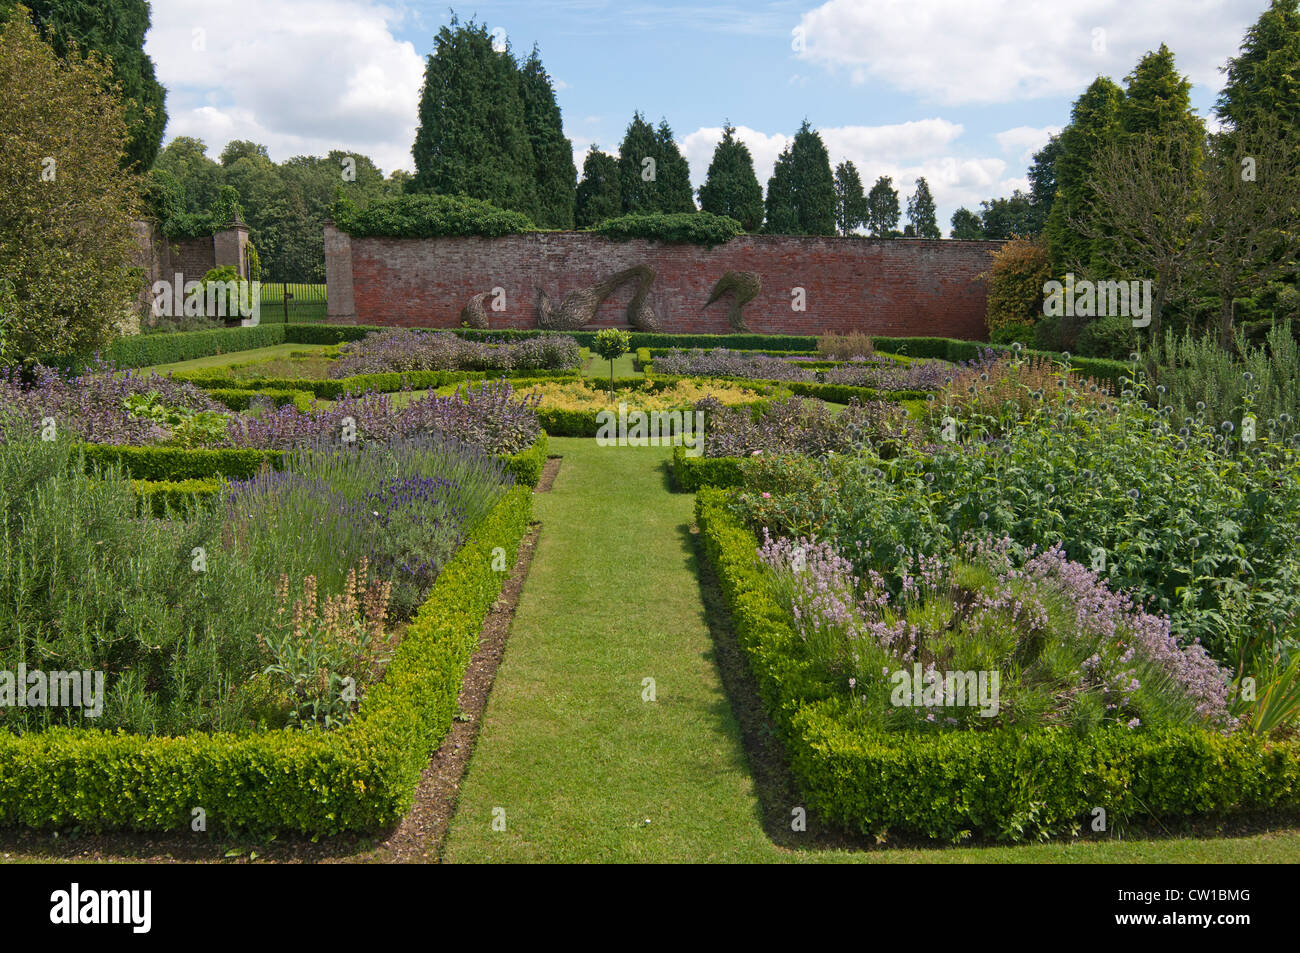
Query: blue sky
[961,91]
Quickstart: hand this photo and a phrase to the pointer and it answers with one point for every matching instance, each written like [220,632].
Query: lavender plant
[803,426]
[405,349]
[1066,649]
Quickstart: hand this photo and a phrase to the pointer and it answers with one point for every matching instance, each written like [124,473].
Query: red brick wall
[899,287]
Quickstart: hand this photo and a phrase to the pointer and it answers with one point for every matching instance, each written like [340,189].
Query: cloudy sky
[960,91]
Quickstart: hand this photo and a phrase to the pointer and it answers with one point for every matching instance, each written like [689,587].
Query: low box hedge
[145,350]
[361,777]
[334,388]
[692,473]
[238,399]
[170,465]
[1005,783]
[157,496]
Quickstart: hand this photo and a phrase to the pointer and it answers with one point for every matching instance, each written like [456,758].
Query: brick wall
[890,287]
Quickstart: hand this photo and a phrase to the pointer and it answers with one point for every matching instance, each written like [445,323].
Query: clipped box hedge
[217,381]
[1005,783]
[170,465]
[361,777]
[692,473]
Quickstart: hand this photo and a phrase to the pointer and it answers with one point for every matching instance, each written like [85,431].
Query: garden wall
[898,287]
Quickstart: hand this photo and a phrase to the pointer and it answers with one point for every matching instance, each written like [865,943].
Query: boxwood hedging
[1008,783]
[692,473]
[199,468]
[359,778]
[220,381]
[687,228]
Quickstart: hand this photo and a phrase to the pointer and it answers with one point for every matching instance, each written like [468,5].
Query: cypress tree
[599,197]
[1264,78]
[1158,100]
[731,187]
[1094,121]
[674,179]
[472,139]
[921,212]
[1042,182]
[554,176]
[813,182]
[882,208]
[850,200]
[781,211]
[638,178]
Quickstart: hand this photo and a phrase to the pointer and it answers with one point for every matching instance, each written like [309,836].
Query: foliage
[652,173]
[1263,79]
[851,346]
[360,778]
[801,193]
[404,349]
[850,200]
[472,138]
[693,228]
[730,187]
[920,211]
[114,30]
[1015,282]
[803,426]
[553,171]
[882,208]
[966,225]
[433,216]
[598,196]
[1094,122]
[66,211]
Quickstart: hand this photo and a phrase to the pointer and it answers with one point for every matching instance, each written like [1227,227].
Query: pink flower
[767,496]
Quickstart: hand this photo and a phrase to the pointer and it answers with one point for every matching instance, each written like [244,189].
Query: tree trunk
[1225,321]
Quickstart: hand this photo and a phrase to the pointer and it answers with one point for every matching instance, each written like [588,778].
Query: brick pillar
[228,247]
[339,304]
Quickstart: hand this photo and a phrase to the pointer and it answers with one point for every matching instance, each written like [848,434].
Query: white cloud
[1025,140]
[994,51]
[299,76]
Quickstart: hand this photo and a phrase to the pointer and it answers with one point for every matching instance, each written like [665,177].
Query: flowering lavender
[1065,647]
[721,362]
[406,349]
[889,375]
[93,405]
[802,426]
[488,416]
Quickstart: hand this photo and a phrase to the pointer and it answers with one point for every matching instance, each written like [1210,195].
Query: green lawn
[274,352]
[597,366]
[585,770]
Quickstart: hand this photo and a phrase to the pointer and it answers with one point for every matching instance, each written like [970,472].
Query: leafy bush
[1110,337]
[1015,279]
[360,778]
[802,426]
[402,349]
[687,228]
[855,346]
[431,216]
[1006,783]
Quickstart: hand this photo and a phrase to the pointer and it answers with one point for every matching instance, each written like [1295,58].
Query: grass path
[585,770]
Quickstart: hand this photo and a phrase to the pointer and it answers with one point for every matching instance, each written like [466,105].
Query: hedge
[334,388]
[240,399]
[359,778]
[157,496]
[431,216]
[692,473]
[1006,783]
[169,465]
[145,350]
[684,228]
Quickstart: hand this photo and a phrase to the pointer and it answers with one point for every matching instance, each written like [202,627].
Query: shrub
[688,228]
[802,426]
[1110,337]
[431,216]
[1015,280]
[66,237]
[854,346]
[402,349]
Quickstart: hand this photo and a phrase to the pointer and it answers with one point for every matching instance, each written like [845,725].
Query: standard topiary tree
[66,211]
[611,344]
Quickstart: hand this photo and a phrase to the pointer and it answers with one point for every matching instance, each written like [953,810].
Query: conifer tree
[1094,122]
[554,176]
[599,196]
[850,200]
[731,187]
[882,208]
[1263,79]
[921,212]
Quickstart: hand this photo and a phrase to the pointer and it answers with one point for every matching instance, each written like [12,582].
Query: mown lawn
[272,353]
[584,770]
